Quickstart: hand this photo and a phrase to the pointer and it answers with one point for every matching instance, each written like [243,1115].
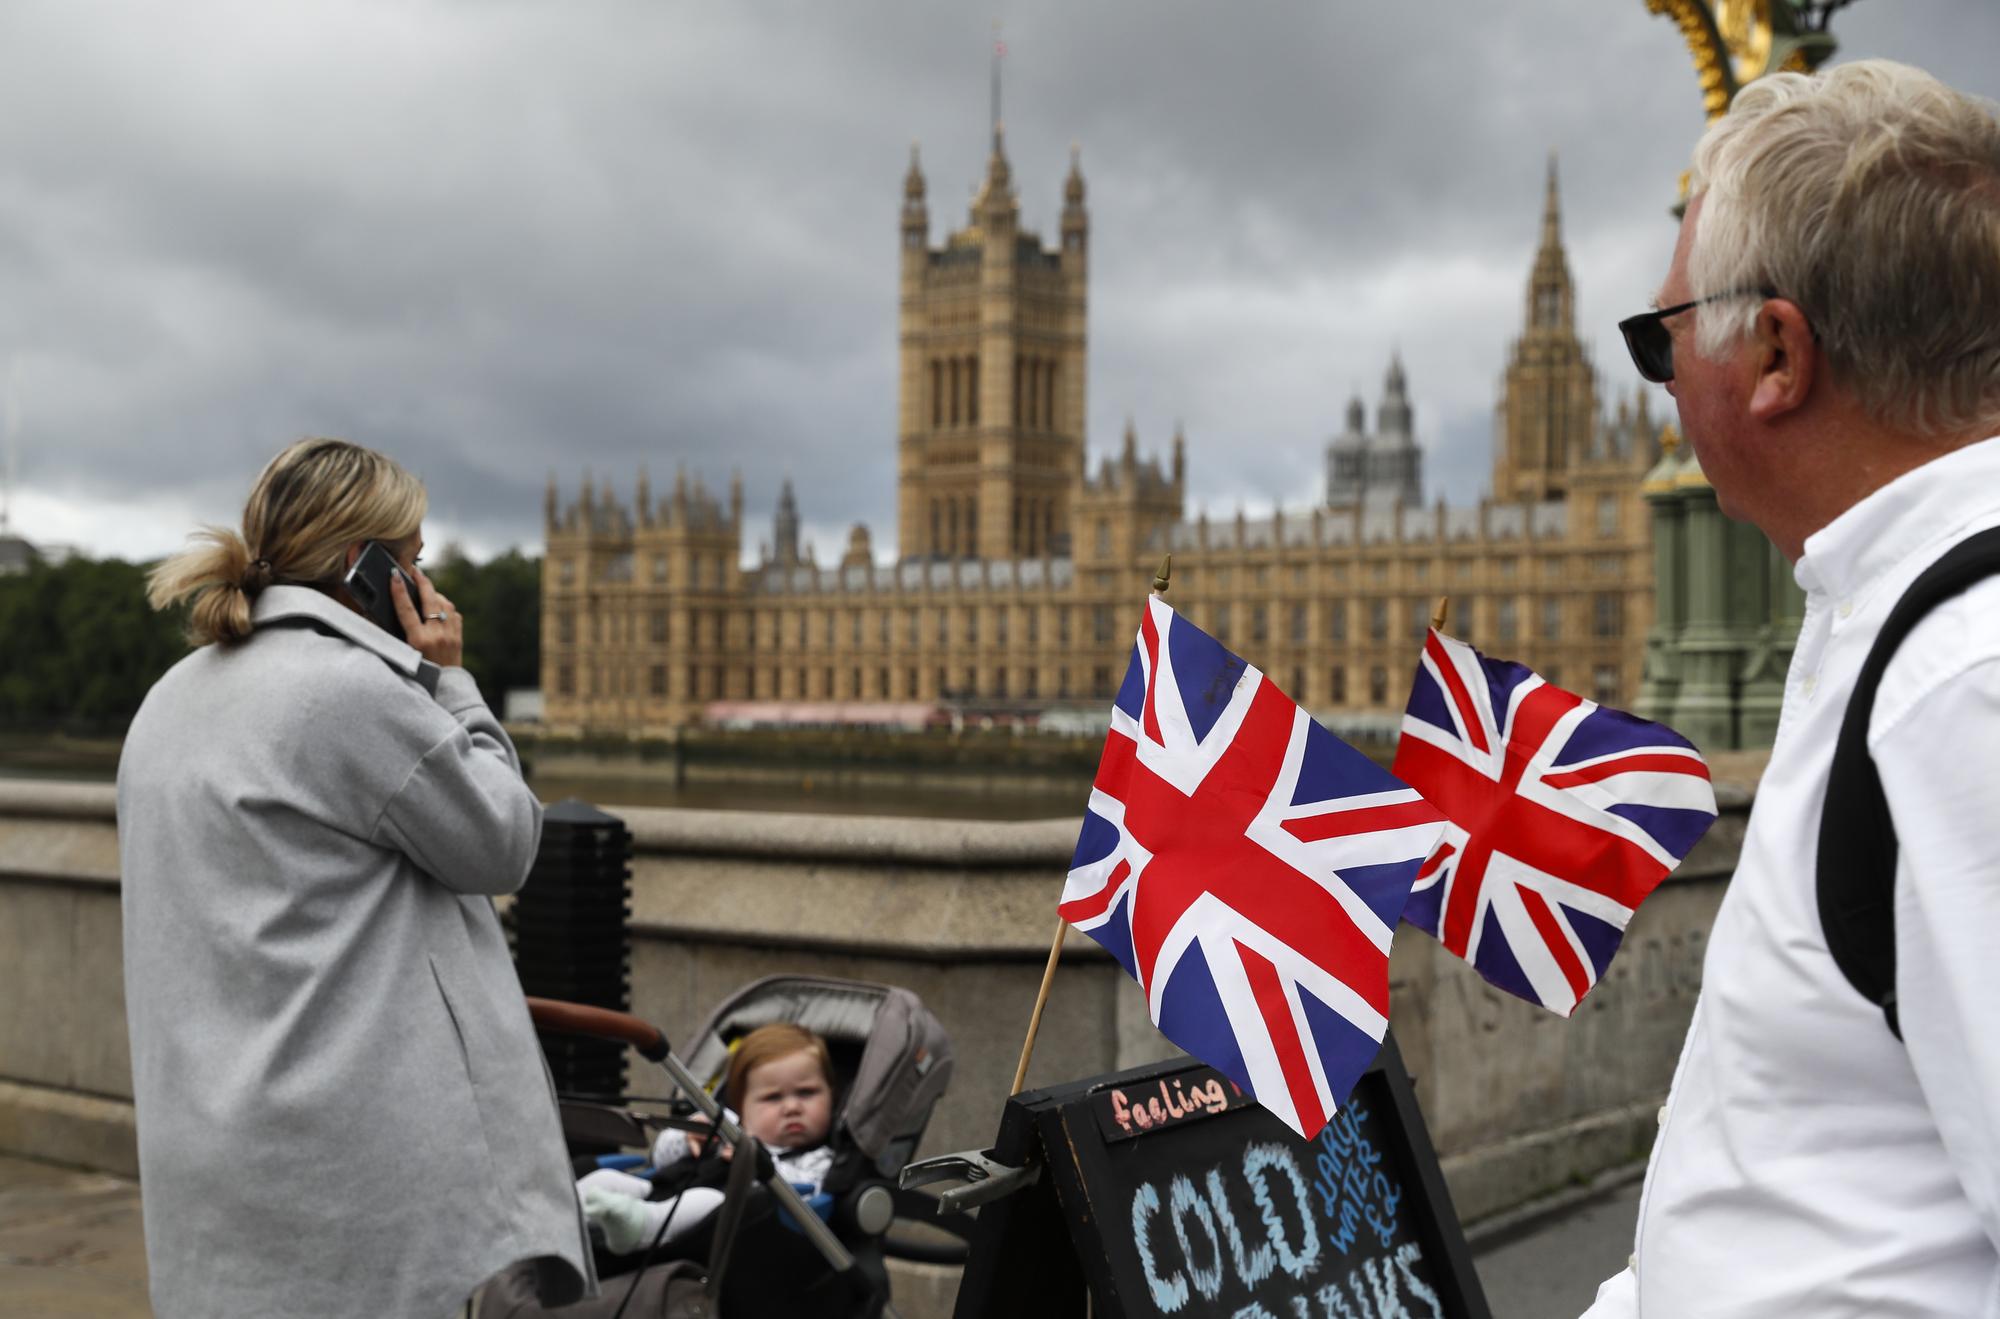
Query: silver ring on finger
[438,617]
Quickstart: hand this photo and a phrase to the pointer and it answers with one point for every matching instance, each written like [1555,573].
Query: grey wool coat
[342,1108]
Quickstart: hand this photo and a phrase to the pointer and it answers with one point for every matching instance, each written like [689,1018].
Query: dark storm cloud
[500,239]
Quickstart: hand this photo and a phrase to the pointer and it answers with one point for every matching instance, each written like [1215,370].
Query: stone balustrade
[1518,1101]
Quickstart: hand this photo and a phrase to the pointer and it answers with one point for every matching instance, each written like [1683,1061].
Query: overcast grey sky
[502,237]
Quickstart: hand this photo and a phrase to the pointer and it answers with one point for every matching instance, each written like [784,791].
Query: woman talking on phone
[342,1108]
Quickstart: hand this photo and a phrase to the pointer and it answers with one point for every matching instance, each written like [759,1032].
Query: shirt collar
[279,604]
[1926,506]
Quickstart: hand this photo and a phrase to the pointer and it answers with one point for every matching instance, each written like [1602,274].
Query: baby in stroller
[779,1089]
[881,1060]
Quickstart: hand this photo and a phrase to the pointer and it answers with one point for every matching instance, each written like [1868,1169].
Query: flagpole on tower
[1160,580]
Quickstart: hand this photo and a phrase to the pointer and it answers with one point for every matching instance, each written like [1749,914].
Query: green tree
[502,603]
[80,647]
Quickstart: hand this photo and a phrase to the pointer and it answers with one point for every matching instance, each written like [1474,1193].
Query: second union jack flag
[1247,868]
[1562,815]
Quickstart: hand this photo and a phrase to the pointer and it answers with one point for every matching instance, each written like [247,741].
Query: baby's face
[787,1103]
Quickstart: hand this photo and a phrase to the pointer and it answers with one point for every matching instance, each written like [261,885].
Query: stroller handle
[581,1019]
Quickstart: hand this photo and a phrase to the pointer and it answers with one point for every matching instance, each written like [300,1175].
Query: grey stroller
[766,1252]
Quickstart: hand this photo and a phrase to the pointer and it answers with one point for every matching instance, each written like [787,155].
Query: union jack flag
[1247,868]
[1561,816]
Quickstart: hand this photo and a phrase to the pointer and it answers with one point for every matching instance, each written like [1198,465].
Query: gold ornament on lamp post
[1734,42]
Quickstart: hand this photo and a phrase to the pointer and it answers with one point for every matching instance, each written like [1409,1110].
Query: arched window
[972,390]
[937,393]
[937,527]
[951,543]
[954,391]
[1049,398]
[971,526]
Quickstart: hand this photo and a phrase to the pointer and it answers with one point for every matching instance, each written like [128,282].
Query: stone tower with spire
[785,528]
[1548,405]
[1384,469]
[990,423]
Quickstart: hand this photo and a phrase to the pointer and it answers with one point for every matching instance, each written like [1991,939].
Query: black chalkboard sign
[1167,1192]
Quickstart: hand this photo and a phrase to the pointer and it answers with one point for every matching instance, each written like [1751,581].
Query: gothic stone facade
[1017,583]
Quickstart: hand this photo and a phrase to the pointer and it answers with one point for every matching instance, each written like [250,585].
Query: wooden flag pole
[1041,1001]
[1437,615]
[1160,580]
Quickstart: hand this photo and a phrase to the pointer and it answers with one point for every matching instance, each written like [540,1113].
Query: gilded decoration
[1745,28]
[1735,42]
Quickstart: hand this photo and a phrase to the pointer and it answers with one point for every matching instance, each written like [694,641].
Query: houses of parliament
[1019,567]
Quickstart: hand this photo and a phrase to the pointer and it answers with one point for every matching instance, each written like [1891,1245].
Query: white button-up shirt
[1808,1162]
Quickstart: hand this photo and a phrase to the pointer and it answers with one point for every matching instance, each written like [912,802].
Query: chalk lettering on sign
[1382,1282]
[1377,1288]
[1296,1262]
[1345,1215]
[1170,1293]
[1333,1305]
[1185,1200]
[1255,1310]
[1252,1266]
[1382,1215]
[1165,1104]
[1353,1189]
[1372,1293]
[1202,1224]
[1407,1257]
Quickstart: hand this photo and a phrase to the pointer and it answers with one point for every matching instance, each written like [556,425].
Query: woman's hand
[438,632]
[697,1140]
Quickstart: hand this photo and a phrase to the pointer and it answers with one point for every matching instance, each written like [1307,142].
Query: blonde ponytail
[314,500]
[215,571]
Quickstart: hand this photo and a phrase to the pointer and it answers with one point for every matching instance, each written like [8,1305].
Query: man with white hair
[1830,329]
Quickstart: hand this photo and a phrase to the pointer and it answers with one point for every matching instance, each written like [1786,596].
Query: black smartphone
[368,582]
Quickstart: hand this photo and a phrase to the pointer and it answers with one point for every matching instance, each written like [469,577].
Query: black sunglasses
[1652,345]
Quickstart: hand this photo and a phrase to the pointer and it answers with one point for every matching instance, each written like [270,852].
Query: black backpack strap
[1857,839]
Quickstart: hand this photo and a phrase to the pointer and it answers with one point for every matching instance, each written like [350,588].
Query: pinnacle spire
[999,50]
[785,526]
[1552,209]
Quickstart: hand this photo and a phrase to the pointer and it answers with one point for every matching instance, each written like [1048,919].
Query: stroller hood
[905,1057]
